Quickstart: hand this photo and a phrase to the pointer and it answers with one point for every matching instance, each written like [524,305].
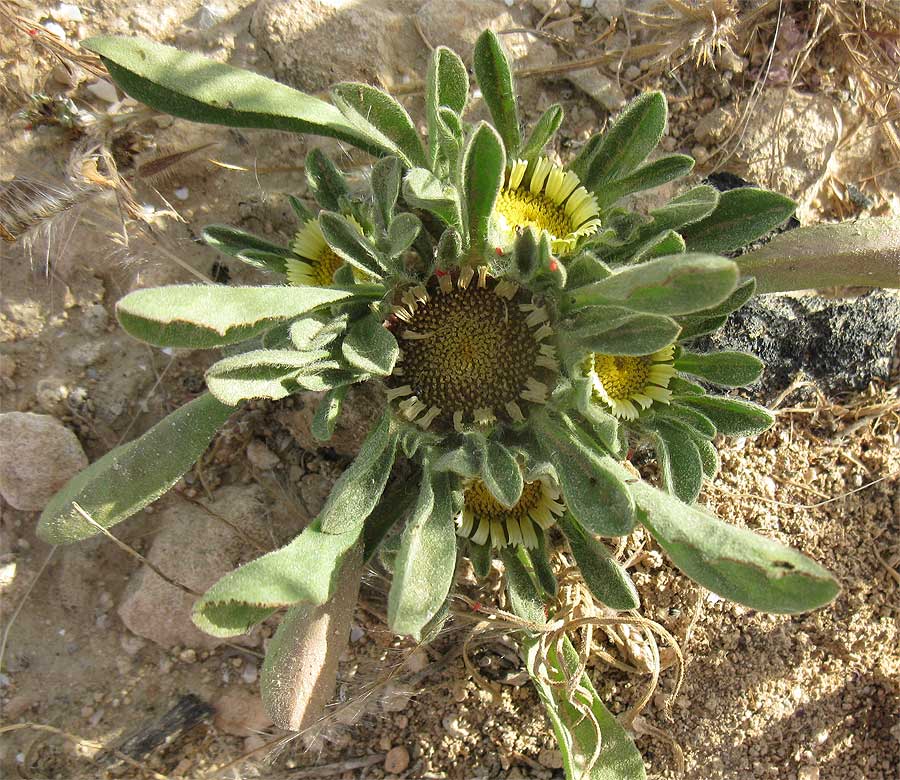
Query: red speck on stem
[498,251]
[554,266]
[439,273]
[476,606]
[33,31]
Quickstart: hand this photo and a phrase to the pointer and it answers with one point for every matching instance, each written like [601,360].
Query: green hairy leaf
[594,494]
[236,243]
[604,575]
[734,563]
[629,140]
[679,461]
[678,284]
[653,174]
[731,416]
[193,87]
[423,190]
[404,230]
[263,373]
[426,561]
[131,476]
[306,570]
[578,739]
[616,330]
[494,75]
[386,176]
[326,183]
[685,209]
[370,347]
[543,570]
[731,369]
[446,85]
[660,245]
[359,488]
[693,421]
[382,120]
[327,413]
[500,472]
[201,316]
[351,245]
[483,171]
[544,130]
[742,216]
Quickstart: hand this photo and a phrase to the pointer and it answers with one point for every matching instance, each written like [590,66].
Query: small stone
[632,72]
[47,455]
[417,661]
[396,760]
[393,698]
[598,87]
[66,12]
[241,713]
[104,90]
[188,655]
[552,759]
[182,193]
[260,456]
[808,773]
[250,674]
[768,485]
[700,154]
[453,727]
[131,644]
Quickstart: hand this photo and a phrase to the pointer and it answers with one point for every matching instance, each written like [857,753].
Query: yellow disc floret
[626,382]
[484,518]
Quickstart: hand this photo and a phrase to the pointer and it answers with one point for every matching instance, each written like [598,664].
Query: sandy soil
[813,696]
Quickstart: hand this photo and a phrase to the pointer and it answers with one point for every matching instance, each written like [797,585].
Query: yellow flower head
[554,201]
[483,517]
[624,382]
[471,348]
[316,262]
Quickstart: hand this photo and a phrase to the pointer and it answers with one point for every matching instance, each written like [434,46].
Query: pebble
[552,759]
[808,773]
[104,90]
[250,674]
[393,698]
[452,726]
[240,713]
[416,661]
[188,656]
[29,480]
[599,88]
[131,644]
[260,456]
[396,760]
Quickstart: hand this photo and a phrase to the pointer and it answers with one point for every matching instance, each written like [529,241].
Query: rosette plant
[526,330]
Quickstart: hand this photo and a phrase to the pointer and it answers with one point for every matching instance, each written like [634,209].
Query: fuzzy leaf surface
[544,130]
[730,415]
[426,560]
[262,373]
[133,475]
[423,190]
[605,577]
[730,369]
[632,136]
[648,176]
[358,489]
[617,330]
[194,87]
[379,118]
[500,472]
[594,494]
[742,216]
[734,563]
[326,183]
[201,316]
[306,570]
[494,75]
[678,284]
[484,163]
[370,347]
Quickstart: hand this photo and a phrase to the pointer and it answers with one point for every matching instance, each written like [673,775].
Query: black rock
[841,344]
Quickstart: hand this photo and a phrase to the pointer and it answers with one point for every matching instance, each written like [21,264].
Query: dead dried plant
[697,29]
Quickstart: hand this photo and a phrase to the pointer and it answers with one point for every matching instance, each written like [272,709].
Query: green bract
[526,329]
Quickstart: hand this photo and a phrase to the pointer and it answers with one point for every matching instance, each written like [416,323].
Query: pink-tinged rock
[195,548]
[300,670]
[240,712]
[38,455]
